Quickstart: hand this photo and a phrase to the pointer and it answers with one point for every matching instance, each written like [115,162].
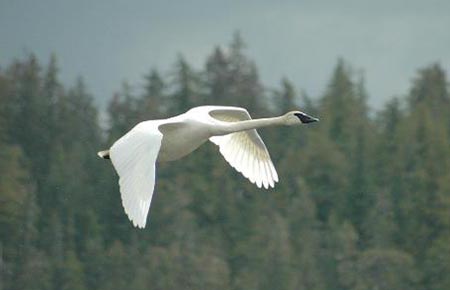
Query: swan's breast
[181,138]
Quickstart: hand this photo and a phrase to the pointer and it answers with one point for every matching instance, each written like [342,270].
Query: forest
[363,200]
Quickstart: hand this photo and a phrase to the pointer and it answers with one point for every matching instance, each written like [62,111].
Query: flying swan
[135,154]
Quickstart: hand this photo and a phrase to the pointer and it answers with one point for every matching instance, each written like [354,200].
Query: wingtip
[140,226]
[134,220]
[137,224]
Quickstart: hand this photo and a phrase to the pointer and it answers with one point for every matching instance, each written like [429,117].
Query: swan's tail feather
[103,154]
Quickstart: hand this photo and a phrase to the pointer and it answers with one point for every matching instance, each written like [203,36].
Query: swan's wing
[245,151]
[134,156]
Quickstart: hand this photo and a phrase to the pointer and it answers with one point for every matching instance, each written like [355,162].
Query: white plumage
[134,158]
[245,151]
[135,154]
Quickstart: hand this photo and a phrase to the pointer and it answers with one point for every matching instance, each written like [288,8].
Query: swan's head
[297,118]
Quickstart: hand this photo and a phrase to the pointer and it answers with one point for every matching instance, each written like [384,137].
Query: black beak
[306,118]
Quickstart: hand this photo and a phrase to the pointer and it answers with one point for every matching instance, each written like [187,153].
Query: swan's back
[181,137]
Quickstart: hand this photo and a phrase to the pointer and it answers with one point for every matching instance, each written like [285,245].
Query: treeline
[363,201]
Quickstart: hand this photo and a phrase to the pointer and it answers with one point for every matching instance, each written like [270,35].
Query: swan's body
[135,154]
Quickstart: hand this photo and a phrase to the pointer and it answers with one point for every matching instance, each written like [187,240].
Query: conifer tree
[285,98]
[72,276]
[122,112]
[186,87]
[153,104]
[246,90]
[218,78]
[350,129]
[363,202]
[425,154]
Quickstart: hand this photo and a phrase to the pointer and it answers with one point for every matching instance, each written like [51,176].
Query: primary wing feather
[245,151]
[134,157]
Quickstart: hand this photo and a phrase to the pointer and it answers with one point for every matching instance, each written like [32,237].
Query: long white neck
[232,127]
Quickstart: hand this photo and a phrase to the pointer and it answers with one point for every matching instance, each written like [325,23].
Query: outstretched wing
[245,151]
[134,157]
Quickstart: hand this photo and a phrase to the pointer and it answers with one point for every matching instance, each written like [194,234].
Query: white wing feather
[245,151]
[134,157]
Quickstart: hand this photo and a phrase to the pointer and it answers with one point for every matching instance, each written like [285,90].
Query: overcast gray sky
[109,41]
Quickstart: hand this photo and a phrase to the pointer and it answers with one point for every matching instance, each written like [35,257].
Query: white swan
[135,154]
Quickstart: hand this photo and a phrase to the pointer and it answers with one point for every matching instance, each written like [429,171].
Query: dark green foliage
[153,104]
[363,200]
[285,98]
[186,84]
